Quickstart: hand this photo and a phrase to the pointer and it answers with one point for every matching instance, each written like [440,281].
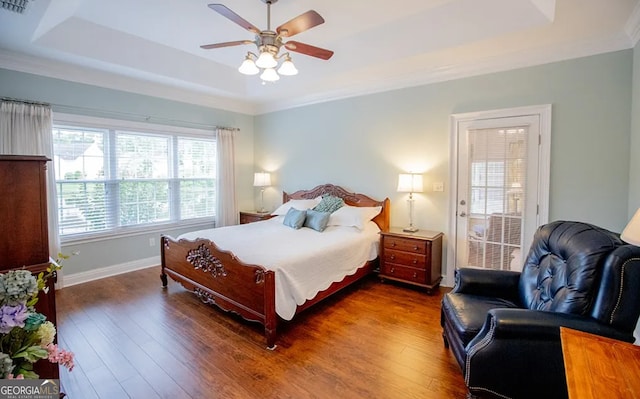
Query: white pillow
[301,205]
[355,216]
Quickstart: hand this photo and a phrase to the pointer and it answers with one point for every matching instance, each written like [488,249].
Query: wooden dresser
[24,235]
[414,258]
[250,217]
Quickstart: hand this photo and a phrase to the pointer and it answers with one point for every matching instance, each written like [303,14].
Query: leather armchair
[504,327]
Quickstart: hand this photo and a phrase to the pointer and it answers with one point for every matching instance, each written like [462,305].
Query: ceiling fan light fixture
[269,75]
[266,60]
[248,67]
[287,68]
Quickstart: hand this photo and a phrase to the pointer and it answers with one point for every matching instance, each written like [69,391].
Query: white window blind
[114,179]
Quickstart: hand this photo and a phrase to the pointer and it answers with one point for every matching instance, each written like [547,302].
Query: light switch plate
[438,186]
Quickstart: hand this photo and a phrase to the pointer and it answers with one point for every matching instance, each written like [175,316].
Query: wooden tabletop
[599,367]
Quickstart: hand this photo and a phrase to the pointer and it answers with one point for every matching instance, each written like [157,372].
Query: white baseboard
[68,280]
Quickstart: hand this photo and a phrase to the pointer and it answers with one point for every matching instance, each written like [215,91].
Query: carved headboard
[353,199]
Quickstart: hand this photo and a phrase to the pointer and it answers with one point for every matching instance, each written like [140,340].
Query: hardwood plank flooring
[133,339]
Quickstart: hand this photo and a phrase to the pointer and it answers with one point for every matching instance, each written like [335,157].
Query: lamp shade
[631,233]
[410,183]
[248,67]
[266,60]
[269,75]
[261,179]
[287,68]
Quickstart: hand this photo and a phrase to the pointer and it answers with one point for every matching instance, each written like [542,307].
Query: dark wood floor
[132,339]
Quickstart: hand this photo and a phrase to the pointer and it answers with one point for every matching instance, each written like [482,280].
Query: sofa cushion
[467,313]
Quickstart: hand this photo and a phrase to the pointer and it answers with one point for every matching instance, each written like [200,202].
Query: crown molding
[519,59]
[61,70]
[493,64]
[632,27]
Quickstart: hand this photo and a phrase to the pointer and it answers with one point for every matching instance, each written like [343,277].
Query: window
[112,179]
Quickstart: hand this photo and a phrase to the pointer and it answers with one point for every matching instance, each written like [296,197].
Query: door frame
[543,112]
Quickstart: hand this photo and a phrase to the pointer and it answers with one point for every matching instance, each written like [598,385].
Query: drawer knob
[393,269]
[392,257]
[415,248]
[415,275]
[393,244]
[415,261]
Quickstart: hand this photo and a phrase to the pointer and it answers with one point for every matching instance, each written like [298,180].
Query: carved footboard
[218,278]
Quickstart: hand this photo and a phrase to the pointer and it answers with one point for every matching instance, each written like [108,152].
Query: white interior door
[501,181]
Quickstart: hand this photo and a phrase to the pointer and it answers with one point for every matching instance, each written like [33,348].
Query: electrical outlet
[438,186]
[152,241]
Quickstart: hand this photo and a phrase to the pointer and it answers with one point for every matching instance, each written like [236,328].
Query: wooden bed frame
[219,278]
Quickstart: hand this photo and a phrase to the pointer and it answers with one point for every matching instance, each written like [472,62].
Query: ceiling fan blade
[225,12]
[308,49]
[300,23]
[226,44]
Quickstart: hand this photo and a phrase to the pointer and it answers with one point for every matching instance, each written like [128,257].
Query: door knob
[463,214]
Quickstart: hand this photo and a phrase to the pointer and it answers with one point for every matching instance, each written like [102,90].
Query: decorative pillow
[355,216]
[317,220]
[294,218]
[329,203]
[297,204]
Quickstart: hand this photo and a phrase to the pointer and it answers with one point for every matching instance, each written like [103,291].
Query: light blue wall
[362,143]
[82,99]
[634,170]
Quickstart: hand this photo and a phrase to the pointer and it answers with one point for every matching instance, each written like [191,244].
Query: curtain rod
[145,118]
[18,100]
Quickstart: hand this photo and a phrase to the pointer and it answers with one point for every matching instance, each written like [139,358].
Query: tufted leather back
[563,269]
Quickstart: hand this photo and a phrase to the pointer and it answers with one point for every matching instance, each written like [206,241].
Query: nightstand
[413,258]
[253,216]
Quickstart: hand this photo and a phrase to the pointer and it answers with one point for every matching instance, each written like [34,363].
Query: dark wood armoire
[24,235]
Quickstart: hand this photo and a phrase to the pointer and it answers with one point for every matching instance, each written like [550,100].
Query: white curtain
[227,209]
[25,129]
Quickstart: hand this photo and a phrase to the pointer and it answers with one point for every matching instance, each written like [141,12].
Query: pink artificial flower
[18,377]
[60,356]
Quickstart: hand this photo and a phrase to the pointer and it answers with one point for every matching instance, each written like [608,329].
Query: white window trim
[116,124]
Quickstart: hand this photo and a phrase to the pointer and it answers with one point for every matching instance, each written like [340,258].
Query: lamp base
[262,211]
[410,229]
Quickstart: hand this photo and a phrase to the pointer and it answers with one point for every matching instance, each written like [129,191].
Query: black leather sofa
[504,327]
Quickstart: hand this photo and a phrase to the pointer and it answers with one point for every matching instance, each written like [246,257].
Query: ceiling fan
[269,42]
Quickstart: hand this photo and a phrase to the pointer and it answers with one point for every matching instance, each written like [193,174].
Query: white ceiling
[152,46]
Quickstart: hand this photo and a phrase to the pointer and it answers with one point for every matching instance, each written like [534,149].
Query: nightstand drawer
[405,244]
[405,258]
[406,273]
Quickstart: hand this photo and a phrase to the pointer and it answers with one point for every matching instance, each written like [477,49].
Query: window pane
[197,198]
[196,158]
[78,154]
[81,207]
[143,202]
[142,156]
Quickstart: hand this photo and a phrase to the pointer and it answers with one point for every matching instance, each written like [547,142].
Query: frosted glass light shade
[410,183]
[287,68]
[631,233]
[269,75]
[261,179]
[248,67]
[266,60]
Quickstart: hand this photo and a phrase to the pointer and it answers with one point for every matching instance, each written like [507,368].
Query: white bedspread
[305,261]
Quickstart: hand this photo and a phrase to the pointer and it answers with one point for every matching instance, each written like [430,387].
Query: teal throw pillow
[317,220]
[295,218]
[329,203]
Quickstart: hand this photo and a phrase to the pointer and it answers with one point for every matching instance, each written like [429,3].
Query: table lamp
[262,180]
[631,233]
[410,183]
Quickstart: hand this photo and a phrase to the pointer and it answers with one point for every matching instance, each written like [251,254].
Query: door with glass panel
[497,189]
